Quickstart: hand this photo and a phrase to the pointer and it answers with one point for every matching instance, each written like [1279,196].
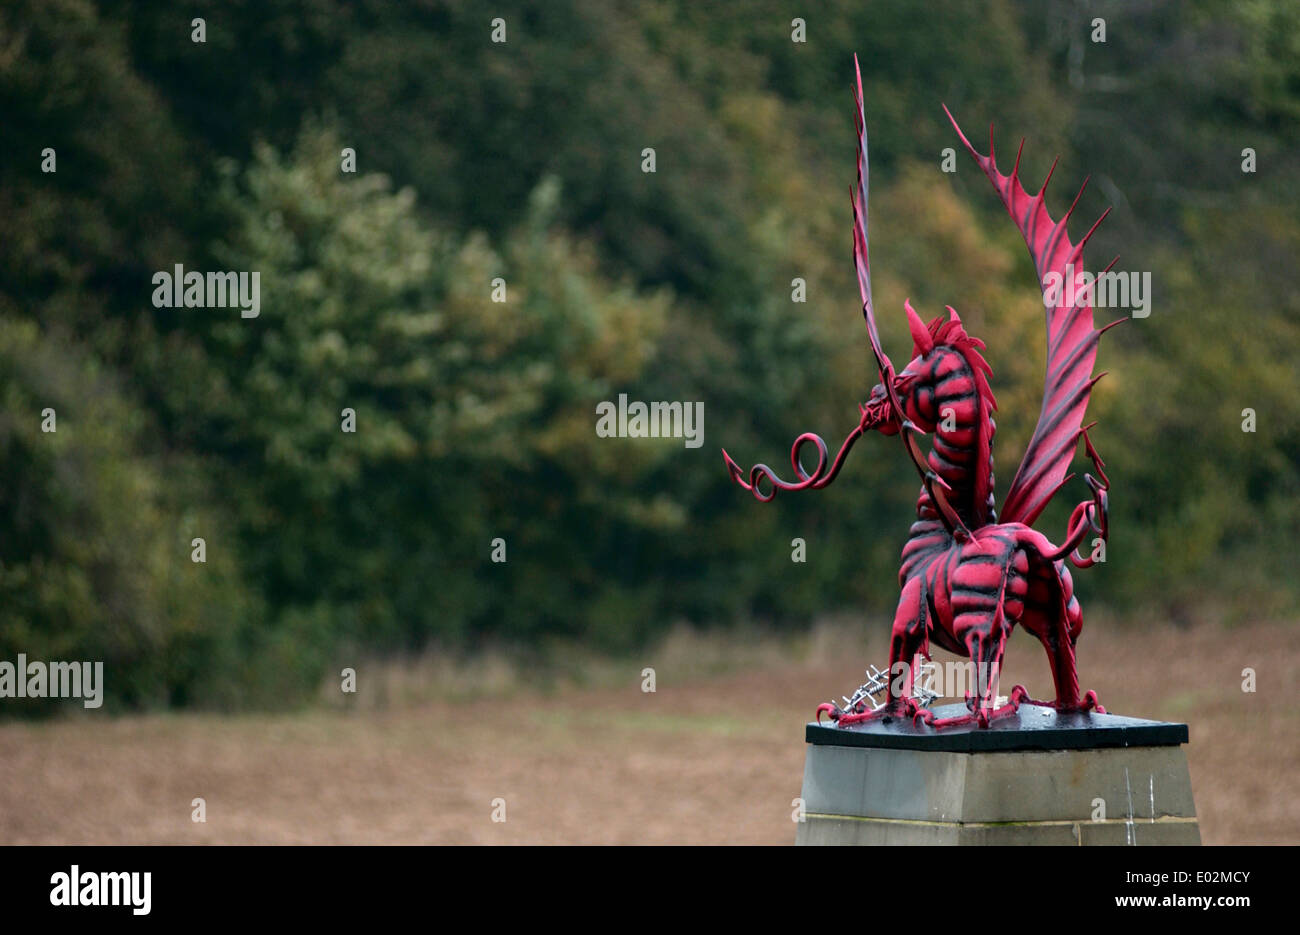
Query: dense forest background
[475,420]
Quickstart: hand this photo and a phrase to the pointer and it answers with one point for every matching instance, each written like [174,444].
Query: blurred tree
[95,539]
[473,417]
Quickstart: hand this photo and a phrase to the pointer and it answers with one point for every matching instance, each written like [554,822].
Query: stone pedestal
[1033,778]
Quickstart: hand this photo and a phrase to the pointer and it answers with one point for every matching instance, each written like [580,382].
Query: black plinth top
[1033,727]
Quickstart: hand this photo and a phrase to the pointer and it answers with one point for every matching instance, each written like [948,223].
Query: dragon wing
[1071,337]
[861,260]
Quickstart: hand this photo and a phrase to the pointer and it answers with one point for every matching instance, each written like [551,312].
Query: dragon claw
[898,707]
[1090,702]
[979,716]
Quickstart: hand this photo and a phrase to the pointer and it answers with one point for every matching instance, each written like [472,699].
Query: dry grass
[713,756]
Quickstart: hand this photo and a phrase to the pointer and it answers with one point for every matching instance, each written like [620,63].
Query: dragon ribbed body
[945,394]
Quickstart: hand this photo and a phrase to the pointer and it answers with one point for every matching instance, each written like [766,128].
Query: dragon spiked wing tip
[1071,335]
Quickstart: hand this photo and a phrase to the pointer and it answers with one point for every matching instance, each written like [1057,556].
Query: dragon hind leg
[1057,624]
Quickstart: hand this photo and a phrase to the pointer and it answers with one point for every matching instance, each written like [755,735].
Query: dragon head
[878,412]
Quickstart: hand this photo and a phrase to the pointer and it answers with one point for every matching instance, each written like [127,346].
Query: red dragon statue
[968,577]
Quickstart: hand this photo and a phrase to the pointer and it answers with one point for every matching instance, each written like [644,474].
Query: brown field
[714,756]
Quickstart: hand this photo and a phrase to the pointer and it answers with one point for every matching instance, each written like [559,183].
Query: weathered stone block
[916,785]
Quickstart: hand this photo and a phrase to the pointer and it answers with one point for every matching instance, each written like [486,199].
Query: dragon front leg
[980,622]
[908,638]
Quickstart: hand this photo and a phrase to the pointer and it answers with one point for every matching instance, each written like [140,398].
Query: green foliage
[521,161]
[473,417]
[96,532]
